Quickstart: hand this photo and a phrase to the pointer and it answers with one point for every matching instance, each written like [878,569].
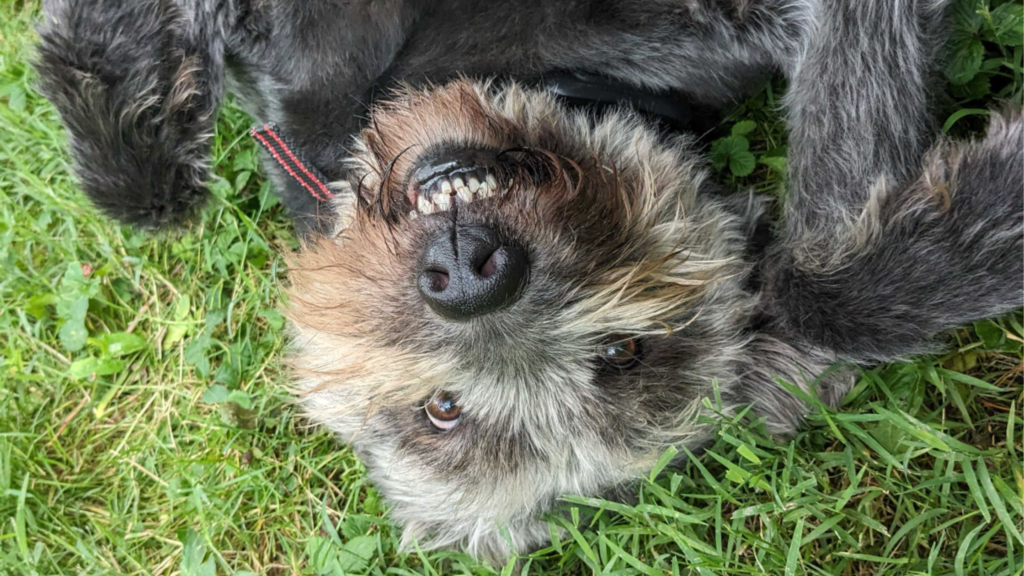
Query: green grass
[185,455]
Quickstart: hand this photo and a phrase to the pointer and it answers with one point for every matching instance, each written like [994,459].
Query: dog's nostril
[439,279]
[488,268]
[470,271]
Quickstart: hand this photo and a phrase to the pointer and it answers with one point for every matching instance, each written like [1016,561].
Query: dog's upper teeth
[424,205]
[465,196]
[464,188]
[443,201]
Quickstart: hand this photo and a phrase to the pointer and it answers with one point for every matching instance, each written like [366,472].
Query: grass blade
[965,547]
[794,548]
[961,114]
[629,558]
[910,525]
[997,502]
[975,490]
[19,521]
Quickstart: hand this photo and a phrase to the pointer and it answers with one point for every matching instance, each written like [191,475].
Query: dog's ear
[138,85]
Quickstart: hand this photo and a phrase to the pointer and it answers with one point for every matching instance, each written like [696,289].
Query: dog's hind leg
[138,84]
[886,243]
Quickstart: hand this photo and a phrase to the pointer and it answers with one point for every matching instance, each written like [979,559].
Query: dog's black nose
[468,271]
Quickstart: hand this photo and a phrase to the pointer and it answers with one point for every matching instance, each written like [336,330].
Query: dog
[502,298]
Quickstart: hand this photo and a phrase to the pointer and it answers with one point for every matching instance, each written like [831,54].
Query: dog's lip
[443,160]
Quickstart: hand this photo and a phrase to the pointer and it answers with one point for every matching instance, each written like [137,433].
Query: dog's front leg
[138,85]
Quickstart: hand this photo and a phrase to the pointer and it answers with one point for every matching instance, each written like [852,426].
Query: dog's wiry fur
[889,236]
[139,106]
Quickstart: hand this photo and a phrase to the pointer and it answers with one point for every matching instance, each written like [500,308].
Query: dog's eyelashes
[443,411]
[621,352]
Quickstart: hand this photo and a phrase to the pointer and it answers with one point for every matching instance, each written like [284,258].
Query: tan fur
[184,85]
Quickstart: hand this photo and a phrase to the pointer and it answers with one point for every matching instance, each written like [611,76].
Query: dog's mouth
[438,182]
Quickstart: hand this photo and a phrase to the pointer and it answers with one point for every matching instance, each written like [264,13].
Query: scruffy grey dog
[508,300]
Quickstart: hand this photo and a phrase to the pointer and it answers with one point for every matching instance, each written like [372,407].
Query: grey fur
[890,236]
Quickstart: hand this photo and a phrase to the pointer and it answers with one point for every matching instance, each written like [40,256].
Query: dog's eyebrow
[277,145]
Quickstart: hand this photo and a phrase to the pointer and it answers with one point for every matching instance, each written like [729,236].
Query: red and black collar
[289,158]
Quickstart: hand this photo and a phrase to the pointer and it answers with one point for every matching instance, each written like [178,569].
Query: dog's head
[520,302]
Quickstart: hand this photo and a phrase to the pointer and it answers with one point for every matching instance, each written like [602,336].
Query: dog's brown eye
[443,411]
[621,352]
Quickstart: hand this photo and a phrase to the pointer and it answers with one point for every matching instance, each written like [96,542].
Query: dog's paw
[977,184]
[137,87]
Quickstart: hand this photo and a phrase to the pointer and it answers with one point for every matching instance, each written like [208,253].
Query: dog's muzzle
[466,270]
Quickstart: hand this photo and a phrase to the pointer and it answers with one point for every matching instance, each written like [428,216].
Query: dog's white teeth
[464,195]
[424,205]
[488,186]
[443,201]
[414,215]
[464,188]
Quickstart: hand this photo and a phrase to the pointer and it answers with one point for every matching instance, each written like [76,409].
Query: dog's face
[519,303]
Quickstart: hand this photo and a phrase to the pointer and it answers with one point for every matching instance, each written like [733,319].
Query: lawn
[146,426]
